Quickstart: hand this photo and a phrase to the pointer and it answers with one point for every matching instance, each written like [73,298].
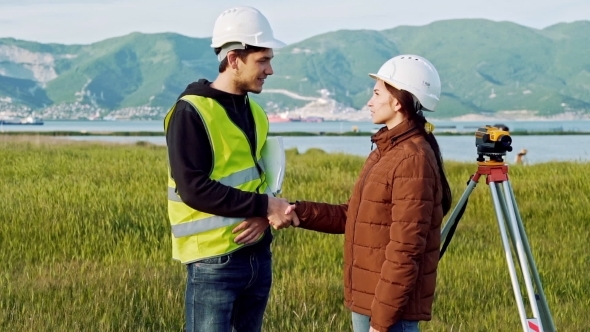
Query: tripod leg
[546,318]
[522,256]
[545,315]
[508,252]
[453,217]
[506,213]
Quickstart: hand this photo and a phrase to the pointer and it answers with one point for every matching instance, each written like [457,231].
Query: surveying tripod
[496,172]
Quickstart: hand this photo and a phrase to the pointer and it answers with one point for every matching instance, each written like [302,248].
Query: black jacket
[191,158]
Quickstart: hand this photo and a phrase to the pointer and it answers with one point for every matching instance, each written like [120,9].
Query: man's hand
[251,229]
[372,330]
[290,208]
[277,215]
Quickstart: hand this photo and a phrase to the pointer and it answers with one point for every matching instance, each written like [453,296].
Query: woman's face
[382,104]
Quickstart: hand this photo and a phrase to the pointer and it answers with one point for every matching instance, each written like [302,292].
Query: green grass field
[85,244]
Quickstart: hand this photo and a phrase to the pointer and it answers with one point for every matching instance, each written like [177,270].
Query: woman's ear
[397,106]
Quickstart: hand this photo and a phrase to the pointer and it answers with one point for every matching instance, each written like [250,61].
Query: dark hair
[408,109]
[242,54]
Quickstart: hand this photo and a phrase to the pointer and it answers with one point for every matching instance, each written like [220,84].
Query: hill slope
[485,67]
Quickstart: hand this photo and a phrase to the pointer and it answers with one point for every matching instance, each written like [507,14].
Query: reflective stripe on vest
[173,196]
[202,225]
[233,180]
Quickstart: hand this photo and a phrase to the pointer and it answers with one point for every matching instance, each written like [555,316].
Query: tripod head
[492,142]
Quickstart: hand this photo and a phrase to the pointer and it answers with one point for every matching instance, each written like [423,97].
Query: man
[217,206]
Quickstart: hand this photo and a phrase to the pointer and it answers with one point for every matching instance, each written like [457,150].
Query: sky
[88,21]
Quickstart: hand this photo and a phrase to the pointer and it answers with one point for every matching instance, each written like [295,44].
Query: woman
[393,217]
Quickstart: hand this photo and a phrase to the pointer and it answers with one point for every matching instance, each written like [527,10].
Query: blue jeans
[228,293]
[362,323]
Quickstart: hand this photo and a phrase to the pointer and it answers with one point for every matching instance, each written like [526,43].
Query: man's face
[252,72]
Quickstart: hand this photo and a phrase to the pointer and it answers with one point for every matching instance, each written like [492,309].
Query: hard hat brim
[385,79]
[275,43]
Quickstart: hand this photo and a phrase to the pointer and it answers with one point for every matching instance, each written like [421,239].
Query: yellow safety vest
[195,234]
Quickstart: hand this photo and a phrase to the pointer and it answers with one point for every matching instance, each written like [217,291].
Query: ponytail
[420,122]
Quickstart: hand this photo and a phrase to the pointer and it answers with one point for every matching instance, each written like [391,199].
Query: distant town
[318,110]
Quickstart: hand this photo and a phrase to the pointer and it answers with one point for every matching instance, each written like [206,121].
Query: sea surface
[326,126]
[459,148]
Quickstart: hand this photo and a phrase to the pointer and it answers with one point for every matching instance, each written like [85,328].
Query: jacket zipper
[248,140]
[357,215]
[253,158]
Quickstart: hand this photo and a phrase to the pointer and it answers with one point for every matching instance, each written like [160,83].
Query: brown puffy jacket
[392,229]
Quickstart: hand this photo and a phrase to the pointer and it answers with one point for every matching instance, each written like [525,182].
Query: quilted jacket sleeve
[322,217]
[413,193]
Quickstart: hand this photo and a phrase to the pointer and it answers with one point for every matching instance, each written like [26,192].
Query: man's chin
[256,90]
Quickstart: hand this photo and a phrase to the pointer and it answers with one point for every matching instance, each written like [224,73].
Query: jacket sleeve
[322,217]
[413,190]
[191,160]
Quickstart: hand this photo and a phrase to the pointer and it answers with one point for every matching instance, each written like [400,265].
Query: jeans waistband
[260,247]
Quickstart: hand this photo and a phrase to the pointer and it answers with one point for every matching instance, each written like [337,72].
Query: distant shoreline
[517,115]
[291,133]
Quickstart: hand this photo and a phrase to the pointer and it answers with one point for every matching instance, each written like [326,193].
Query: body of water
[460,148]
[327,126]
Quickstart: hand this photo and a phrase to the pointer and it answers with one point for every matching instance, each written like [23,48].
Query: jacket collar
[386,139]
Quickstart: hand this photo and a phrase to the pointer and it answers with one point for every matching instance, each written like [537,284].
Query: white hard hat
[414,74]
[245,25]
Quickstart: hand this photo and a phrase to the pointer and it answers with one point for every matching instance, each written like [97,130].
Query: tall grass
[85,244]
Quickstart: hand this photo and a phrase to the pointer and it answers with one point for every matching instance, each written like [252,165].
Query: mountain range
[485,66]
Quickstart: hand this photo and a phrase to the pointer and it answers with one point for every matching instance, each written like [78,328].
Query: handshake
[280,214]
